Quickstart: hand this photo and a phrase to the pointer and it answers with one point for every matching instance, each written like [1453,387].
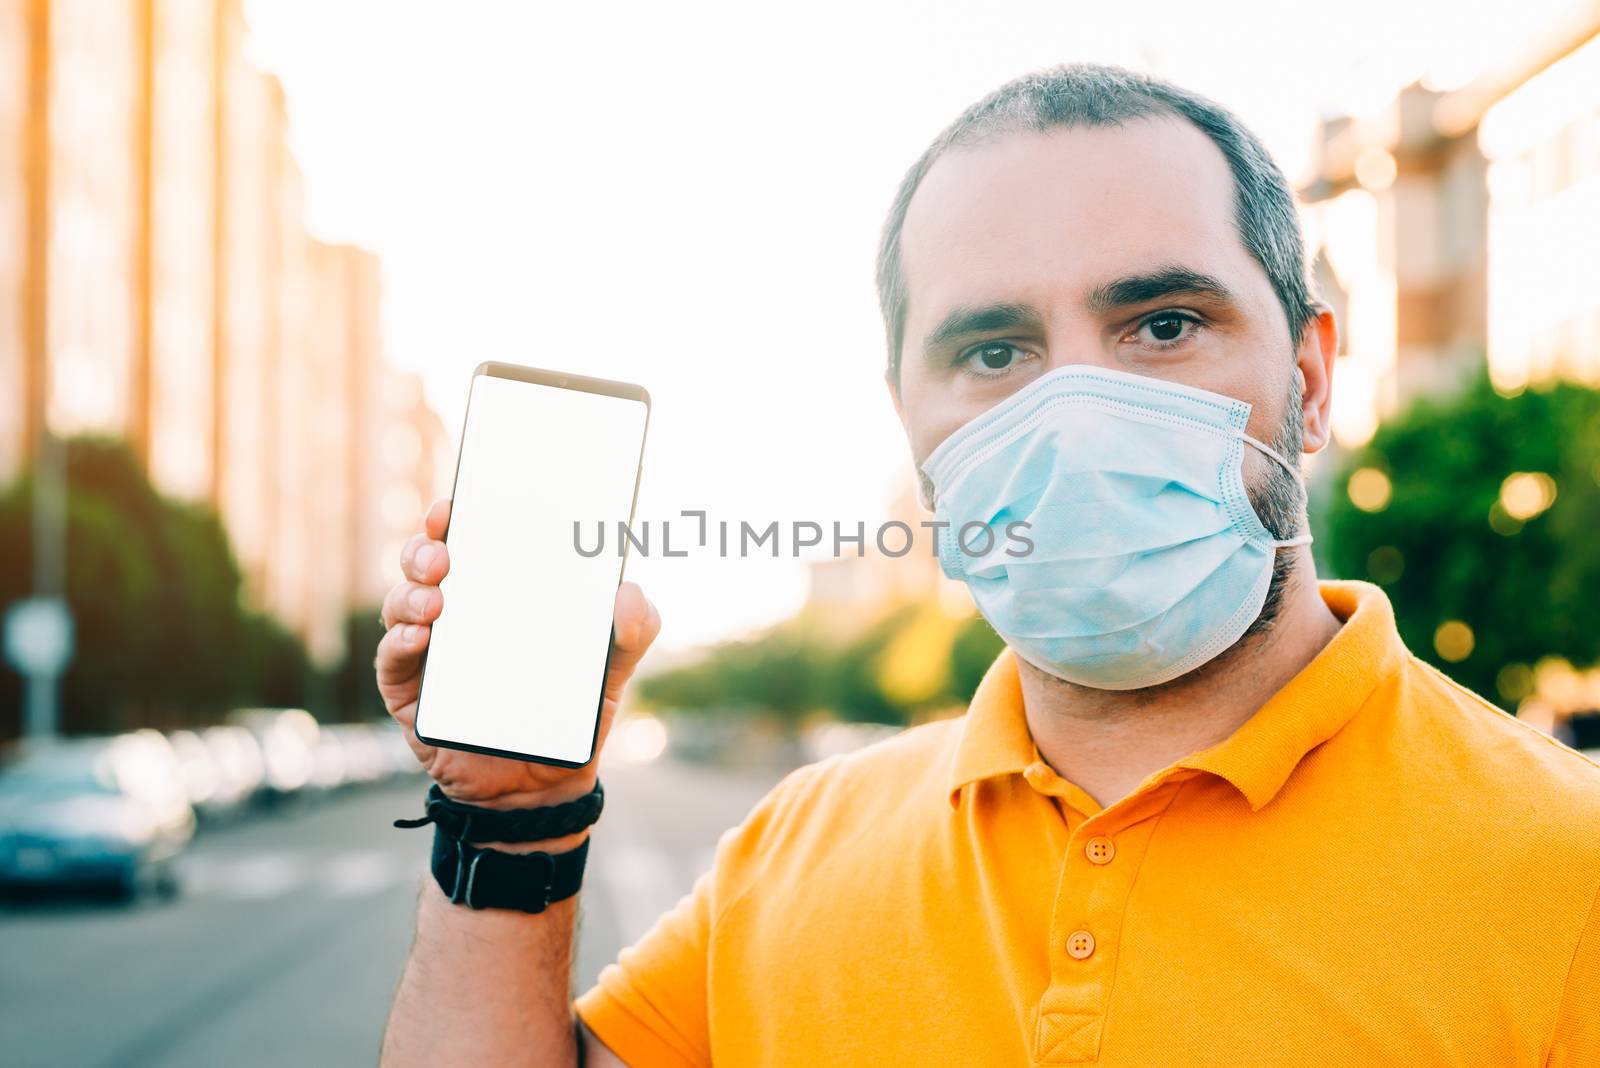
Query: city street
[288,937]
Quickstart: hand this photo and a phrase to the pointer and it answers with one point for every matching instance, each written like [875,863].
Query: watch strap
[490,879]
[474,823]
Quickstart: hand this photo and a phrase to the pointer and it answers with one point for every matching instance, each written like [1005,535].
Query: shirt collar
[1257,757]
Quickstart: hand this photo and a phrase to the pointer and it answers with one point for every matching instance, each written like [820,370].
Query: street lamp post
[38,631]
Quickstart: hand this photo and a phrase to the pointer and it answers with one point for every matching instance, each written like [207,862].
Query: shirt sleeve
[651,1006]
[1577,1037]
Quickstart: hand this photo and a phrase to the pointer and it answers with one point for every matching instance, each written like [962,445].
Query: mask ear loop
[1303,539]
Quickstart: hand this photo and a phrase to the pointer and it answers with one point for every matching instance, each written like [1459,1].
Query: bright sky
[689,195]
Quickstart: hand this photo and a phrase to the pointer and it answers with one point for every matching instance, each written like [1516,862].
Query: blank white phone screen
[517,656]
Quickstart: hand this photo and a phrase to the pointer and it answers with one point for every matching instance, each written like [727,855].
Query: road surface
[288,938]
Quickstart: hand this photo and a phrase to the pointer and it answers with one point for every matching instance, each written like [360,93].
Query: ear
[1319,347]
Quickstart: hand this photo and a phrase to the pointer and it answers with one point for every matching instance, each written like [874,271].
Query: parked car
[202,777]
[328,764]
[239,761]
[364,760]
[287,737]
[103,811]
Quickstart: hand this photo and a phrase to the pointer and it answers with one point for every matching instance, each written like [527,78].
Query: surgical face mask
[1100,520]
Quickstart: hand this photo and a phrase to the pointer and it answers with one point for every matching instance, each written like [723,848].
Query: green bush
[1445,547]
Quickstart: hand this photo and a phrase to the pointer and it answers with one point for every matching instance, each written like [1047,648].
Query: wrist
[521,858]
[538,797]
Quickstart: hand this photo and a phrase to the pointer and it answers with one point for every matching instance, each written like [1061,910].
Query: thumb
[636,624]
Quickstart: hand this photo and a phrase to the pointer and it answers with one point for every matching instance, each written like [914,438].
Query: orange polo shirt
[1378,868]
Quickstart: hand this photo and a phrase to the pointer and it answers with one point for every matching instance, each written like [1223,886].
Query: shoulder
[1485,743]
[904,770]
[897,765]
[1510,788]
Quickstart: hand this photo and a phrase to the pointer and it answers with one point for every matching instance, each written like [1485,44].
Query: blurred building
[157,283]
[1454,227]
[1396,221]
[1538,125]
[17,252]
[417,456]
[89,157]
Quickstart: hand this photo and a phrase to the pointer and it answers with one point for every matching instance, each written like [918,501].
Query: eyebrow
[982,319]
[1166,281]
[1127,291]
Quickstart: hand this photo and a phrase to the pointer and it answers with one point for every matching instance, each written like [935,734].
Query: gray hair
[1085,94]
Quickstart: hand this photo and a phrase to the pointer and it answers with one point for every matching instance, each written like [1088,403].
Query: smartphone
[549,466]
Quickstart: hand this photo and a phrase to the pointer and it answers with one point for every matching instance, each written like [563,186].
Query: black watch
[489,878]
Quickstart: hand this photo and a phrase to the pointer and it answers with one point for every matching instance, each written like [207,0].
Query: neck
[1108,741]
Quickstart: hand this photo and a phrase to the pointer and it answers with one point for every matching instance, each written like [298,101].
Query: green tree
[777,672]
[1480,510]
[850,685]
[798,667]
[161,635]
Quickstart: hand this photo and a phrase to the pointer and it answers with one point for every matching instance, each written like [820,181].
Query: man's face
[1112,246]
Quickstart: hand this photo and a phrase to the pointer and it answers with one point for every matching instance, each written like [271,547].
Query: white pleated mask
[1100,520]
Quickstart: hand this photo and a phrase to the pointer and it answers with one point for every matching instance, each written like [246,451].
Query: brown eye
[992,359]
[1165,330]
[996,357]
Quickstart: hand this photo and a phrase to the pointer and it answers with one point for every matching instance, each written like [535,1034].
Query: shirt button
[1080,944]
[1100,849]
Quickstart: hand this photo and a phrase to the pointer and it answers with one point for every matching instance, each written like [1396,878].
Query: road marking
[250,877]
[258,877]
[365,874]
[269,875]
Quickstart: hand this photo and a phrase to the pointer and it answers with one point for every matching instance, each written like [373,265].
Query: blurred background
[251,251]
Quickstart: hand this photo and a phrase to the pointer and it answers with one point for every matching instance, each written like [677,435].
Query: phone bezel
[558,380]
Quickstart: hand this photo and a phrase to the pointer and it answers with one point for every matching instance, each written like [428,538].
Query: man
[1202,811]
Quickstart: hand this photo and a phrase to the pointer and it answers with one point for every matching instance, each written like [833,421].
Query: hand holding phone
[516,679]
[497,782]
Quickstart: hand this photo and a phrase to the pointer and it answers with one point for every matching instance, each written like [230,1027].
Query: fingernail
[425,557]
[413,633]
[418,600]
